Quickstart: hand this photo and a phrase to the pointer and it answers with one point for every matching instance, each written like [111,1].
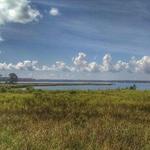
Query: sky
[75,39]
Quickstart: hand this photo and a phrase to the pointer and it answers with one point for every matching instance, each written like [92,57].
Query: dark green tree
[13,78]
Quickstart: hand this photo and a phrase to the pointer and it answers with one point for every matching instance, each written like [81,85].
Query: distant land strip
[21,85]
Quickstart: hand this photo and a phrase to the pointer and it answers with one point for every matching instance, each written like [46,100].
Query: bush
[133,87]
[30,89]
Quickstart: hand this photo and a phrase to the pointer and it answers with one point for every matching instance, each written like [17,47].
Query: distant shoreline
[19,85]
[30,80]
[85,81]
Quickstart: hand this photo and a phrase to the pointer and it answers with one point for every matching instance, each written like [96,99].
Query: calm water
[140,86]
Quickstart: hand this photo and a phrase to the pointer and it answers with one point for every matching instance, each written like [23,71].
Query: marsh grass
[75,120]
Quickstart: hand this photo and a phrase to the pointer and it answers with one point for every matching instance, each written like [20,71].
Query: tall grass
[75,120]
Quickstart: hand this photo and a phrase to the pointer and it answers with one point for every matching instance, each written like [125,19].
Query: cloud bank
[81,64]
[25,65]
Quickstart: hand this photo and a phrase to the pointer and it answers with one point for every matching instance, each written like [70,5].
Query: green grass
[75,120]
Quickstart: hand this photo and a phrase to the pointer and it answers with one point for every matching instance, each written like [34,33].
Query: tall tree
[13,78]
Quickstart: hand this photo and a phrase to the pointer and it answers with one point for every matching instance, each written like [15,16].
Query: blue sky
[51,31]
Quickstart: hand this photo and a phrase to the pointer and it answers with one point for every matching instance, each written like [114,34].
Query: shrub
[133,87]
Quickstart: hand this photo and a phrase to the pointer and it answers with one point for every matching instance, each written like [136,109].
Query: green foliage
[3,90]
[30,89]
[132,87]
[74,120]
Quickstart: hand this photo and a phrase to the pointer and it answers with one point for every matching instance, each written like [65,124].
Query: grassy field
[75,120]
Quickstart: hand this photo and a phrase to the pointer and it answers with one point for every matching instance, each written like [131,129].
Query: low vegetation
[74,120]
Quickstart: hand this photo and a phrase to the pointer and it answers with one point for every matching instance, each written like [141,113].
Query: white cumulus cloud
[61,66]
[54,12]
[140,65]
[107,64]
[26,65]
[80,62]
[17,11]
